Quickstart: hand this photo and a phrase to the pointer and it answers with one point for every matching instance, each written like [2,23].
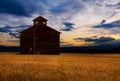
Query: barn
[40,38]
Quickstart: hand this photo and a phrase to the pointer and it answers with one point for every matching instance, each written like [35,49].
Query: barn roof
[40,29]
[40,18]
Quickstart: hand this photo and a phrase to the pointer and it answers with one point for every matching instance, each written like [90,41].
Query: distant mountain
[91,49]
[75,49]
[9,49]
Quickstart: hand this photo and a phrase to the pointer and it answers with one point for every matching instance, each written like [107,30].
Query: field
[64,67]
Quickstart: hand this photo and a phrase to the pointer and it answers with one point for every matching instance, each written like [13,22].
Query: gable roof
[40,18]
[40,29]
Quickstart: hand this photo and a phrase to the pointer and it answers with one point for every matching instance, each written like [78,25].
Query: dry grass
[64,67]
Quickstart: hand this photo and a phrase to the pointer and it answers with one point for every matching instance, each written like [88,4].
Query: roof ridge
[40,17]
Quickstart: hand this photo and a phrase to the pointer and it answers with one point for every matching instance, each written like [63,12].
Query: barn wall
[26,44]
[47,43]
[39,43]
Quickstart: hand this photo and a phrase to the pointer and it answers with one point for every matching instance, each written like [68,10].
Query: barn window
[30,49]
[44,23]
[36,22]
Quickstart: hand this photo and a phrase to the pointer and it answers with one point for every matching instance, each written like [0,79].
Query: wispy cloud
[108,25]
[68,26]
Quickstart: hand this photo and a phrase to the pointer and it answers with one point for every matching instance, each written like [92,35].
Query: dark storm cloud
[5,29]
[96,40]
[13,31]
[14,34]
[24,8]
[29,7]
[68,26]
[109,25]
[13,7]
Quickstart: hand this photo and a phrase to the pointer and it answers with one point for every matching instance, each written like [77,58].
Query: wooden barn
[39,39]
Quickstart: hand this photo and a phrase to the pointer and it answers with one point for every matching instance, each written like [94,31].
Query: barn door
[30,50]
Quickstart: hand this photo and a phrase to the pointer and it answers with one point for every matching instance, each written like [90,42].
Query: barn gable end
[39,39]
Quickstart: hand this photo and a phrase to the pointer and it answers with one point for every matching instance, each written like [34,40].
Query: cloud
[100,40]
[66,15]
[109,25]
[103,21]
[13,31]
[14,34]
[13,7]
[68,26]
[29,7]
[117,5]
[65,44]
[22,8]
[67,7]
[5,29]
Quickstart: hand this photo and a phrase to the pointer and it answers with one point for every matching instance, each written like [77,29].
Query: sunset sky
[81,22]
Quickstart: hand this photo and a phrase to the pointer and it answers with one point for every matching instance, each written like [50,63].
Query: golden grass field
[63,67]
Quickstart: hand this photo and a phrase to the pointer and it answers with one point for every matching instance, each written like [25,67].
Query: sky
[81,22]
